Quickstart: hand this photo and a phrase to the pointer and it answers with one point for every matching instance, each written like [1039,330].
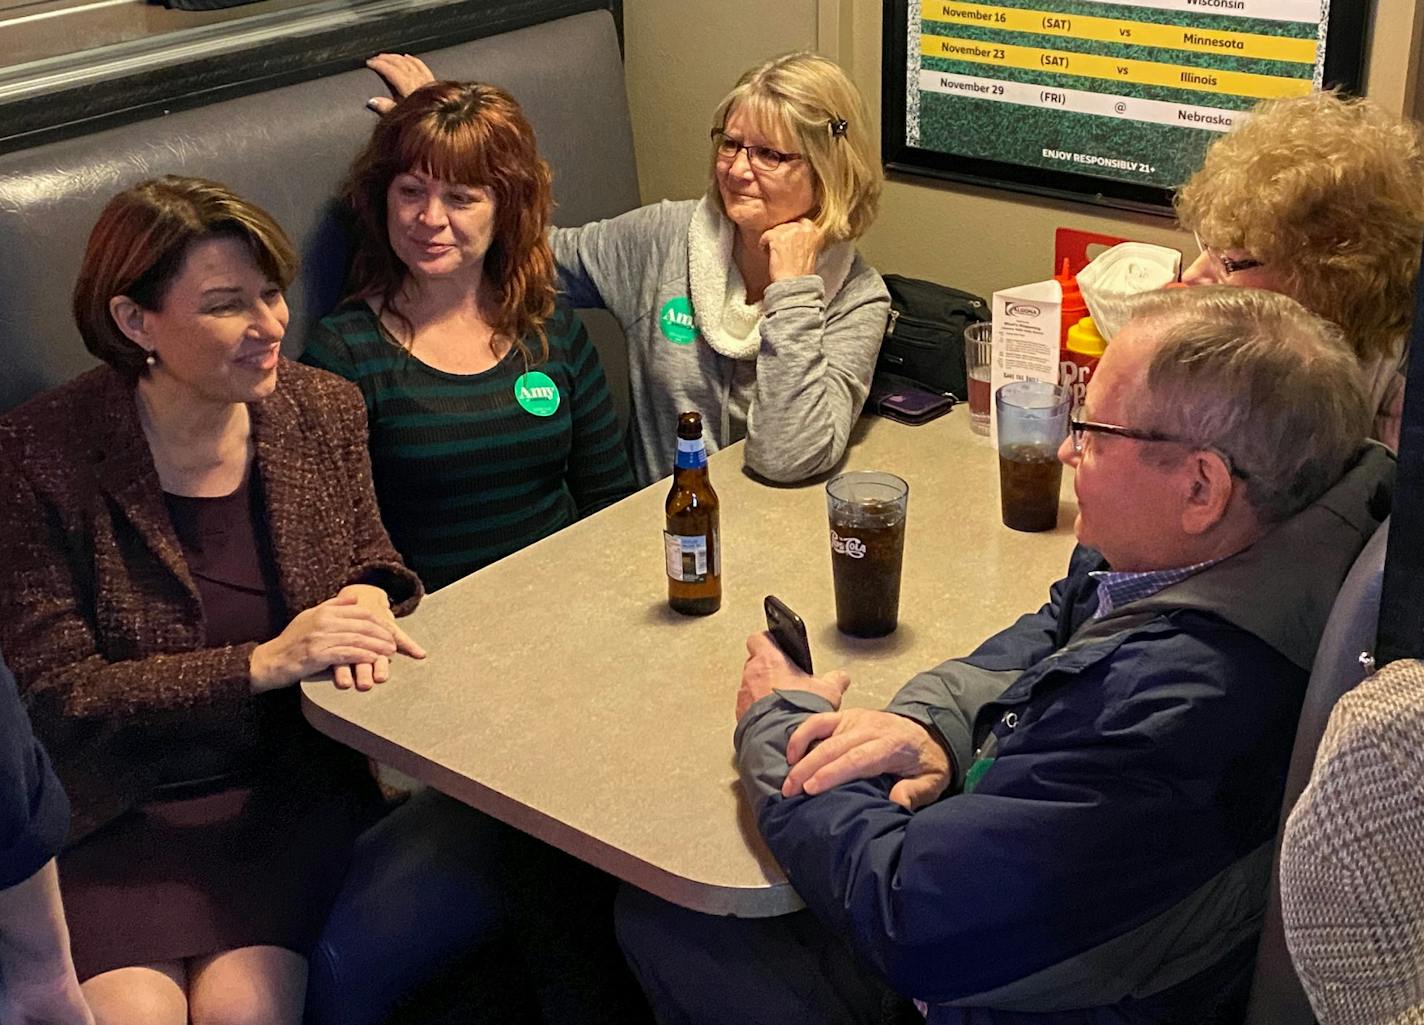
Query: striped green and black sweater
[464,473]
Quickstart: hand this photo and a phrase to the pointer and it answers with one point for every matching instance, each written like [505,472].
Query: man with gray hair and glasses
[1074,823]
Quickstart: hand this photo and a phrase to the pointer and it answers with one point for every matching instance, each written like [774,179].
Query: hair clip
[839,126]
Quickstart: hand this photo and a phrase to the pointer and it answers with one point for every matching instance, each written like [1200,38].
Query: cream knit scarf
[719,297]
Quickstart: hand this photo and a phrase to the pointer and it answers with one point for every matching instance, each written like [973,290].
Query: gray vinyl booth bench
[288,149]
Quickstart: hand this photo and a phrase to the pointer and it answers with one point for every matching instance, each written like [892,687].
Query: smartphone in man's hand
[789,633]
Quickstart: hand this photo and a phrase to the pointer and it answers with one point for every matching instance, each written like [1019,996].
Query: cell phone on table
[913,406]
[789,632]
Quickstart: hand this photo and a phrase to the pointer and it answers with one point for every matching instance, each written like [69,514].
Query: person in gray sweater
[1352,880]
[750,304]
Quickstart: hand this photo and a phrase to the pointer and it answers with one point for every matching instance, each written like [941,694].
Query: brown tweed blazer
[99,617]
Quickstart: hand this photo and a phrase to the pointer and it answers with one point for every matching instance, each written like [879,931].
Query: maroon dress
[224,854]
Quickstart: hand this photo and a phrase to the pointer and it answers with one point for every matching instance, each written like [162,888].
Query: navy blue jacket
[34,812]
[1111,864]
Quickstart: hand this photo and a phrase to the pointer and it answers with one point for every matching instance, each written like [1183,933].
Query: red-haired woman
[491,423]
[491,427]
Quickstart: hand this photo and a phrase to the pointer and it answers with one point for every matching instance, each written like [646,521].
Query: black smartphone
[789,632]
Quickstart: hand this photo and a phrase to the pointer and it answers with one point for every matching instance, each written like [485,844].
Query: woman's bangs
[768,117]
[451,155]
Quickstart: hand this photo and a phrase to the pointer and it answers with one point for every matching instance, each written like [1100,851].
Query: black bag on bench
[924,341]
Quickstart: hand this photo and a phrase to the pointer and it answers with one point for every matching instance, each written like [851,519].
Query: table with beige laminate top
[563,696]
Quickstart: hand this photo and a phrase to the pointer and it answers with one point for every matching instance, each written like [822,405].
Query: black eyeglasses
[763,158]
[1229,265]
[1079,430]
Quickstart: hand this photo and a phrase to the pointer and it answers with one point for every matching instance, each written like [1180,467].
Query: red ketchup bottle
[1073,308]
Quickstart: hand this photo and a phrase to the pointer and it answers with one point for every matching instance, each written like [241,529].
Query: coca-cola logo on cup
[851,546]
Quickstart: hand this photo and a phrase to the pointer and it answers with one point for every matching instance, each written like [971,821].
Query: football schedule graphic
[1129,92]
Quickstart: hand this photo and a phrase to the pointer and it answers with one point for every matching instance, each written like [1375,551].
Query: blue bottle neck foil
[691,454]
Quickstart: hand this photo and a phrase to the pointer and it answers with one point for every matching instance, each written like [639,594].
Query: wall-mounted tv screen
[1108,102]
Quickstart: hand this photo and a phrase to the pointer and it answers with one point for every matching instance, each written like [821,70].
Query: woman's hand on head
[342,633]
[403,75]
[793,247]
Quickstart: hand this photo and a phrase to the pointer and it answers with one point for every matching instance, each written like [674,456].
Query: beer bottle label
[686,557]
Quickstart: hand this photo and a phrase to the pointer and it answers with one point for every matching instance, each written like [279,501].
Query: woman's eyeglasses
[763,158]
[1227,263]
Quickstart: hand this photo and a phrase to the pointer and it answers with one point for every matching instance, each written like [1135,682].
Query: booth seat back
[1277,997]
[288,150]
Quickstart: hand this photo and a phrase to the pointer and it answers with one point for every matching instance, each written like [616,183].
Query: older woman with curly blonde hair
[1322,198]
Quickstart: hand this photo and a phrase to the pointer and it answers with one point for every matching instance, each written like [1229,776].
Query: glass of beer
[978,365]
[867,512]
[1033,421]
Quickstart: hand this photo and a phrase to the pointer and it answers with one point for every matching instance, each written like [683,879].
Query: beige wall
[683,57]
[1393,68]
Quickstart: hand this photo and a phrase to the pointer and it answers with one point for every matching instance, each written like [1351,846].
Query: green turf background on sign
[966,126]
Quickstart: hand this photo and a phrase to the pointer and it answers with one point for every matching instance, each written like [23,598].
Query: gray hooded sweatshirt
[789,376]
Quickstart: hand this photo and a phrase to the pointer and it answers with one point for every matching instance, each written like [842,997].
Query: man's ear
[1209,486]
[130,318]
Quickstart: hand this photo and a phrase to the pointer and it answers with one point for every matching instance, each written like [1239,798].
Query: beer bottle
[692,540]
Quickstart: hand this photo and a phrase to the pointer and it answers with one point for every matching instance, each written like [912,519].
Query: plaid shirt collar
[1117,589]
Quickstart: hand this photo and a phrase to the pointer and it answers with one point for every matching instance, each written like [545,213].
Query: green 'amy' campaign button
[537,393]
[675,321]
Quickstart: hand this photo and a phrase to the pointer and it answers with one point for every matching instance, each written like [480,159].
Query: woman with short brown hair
[139,244]
[185,533]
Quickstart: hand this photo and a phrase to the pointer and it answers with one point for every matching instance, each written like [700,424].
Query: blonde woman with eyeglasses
[751,303]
